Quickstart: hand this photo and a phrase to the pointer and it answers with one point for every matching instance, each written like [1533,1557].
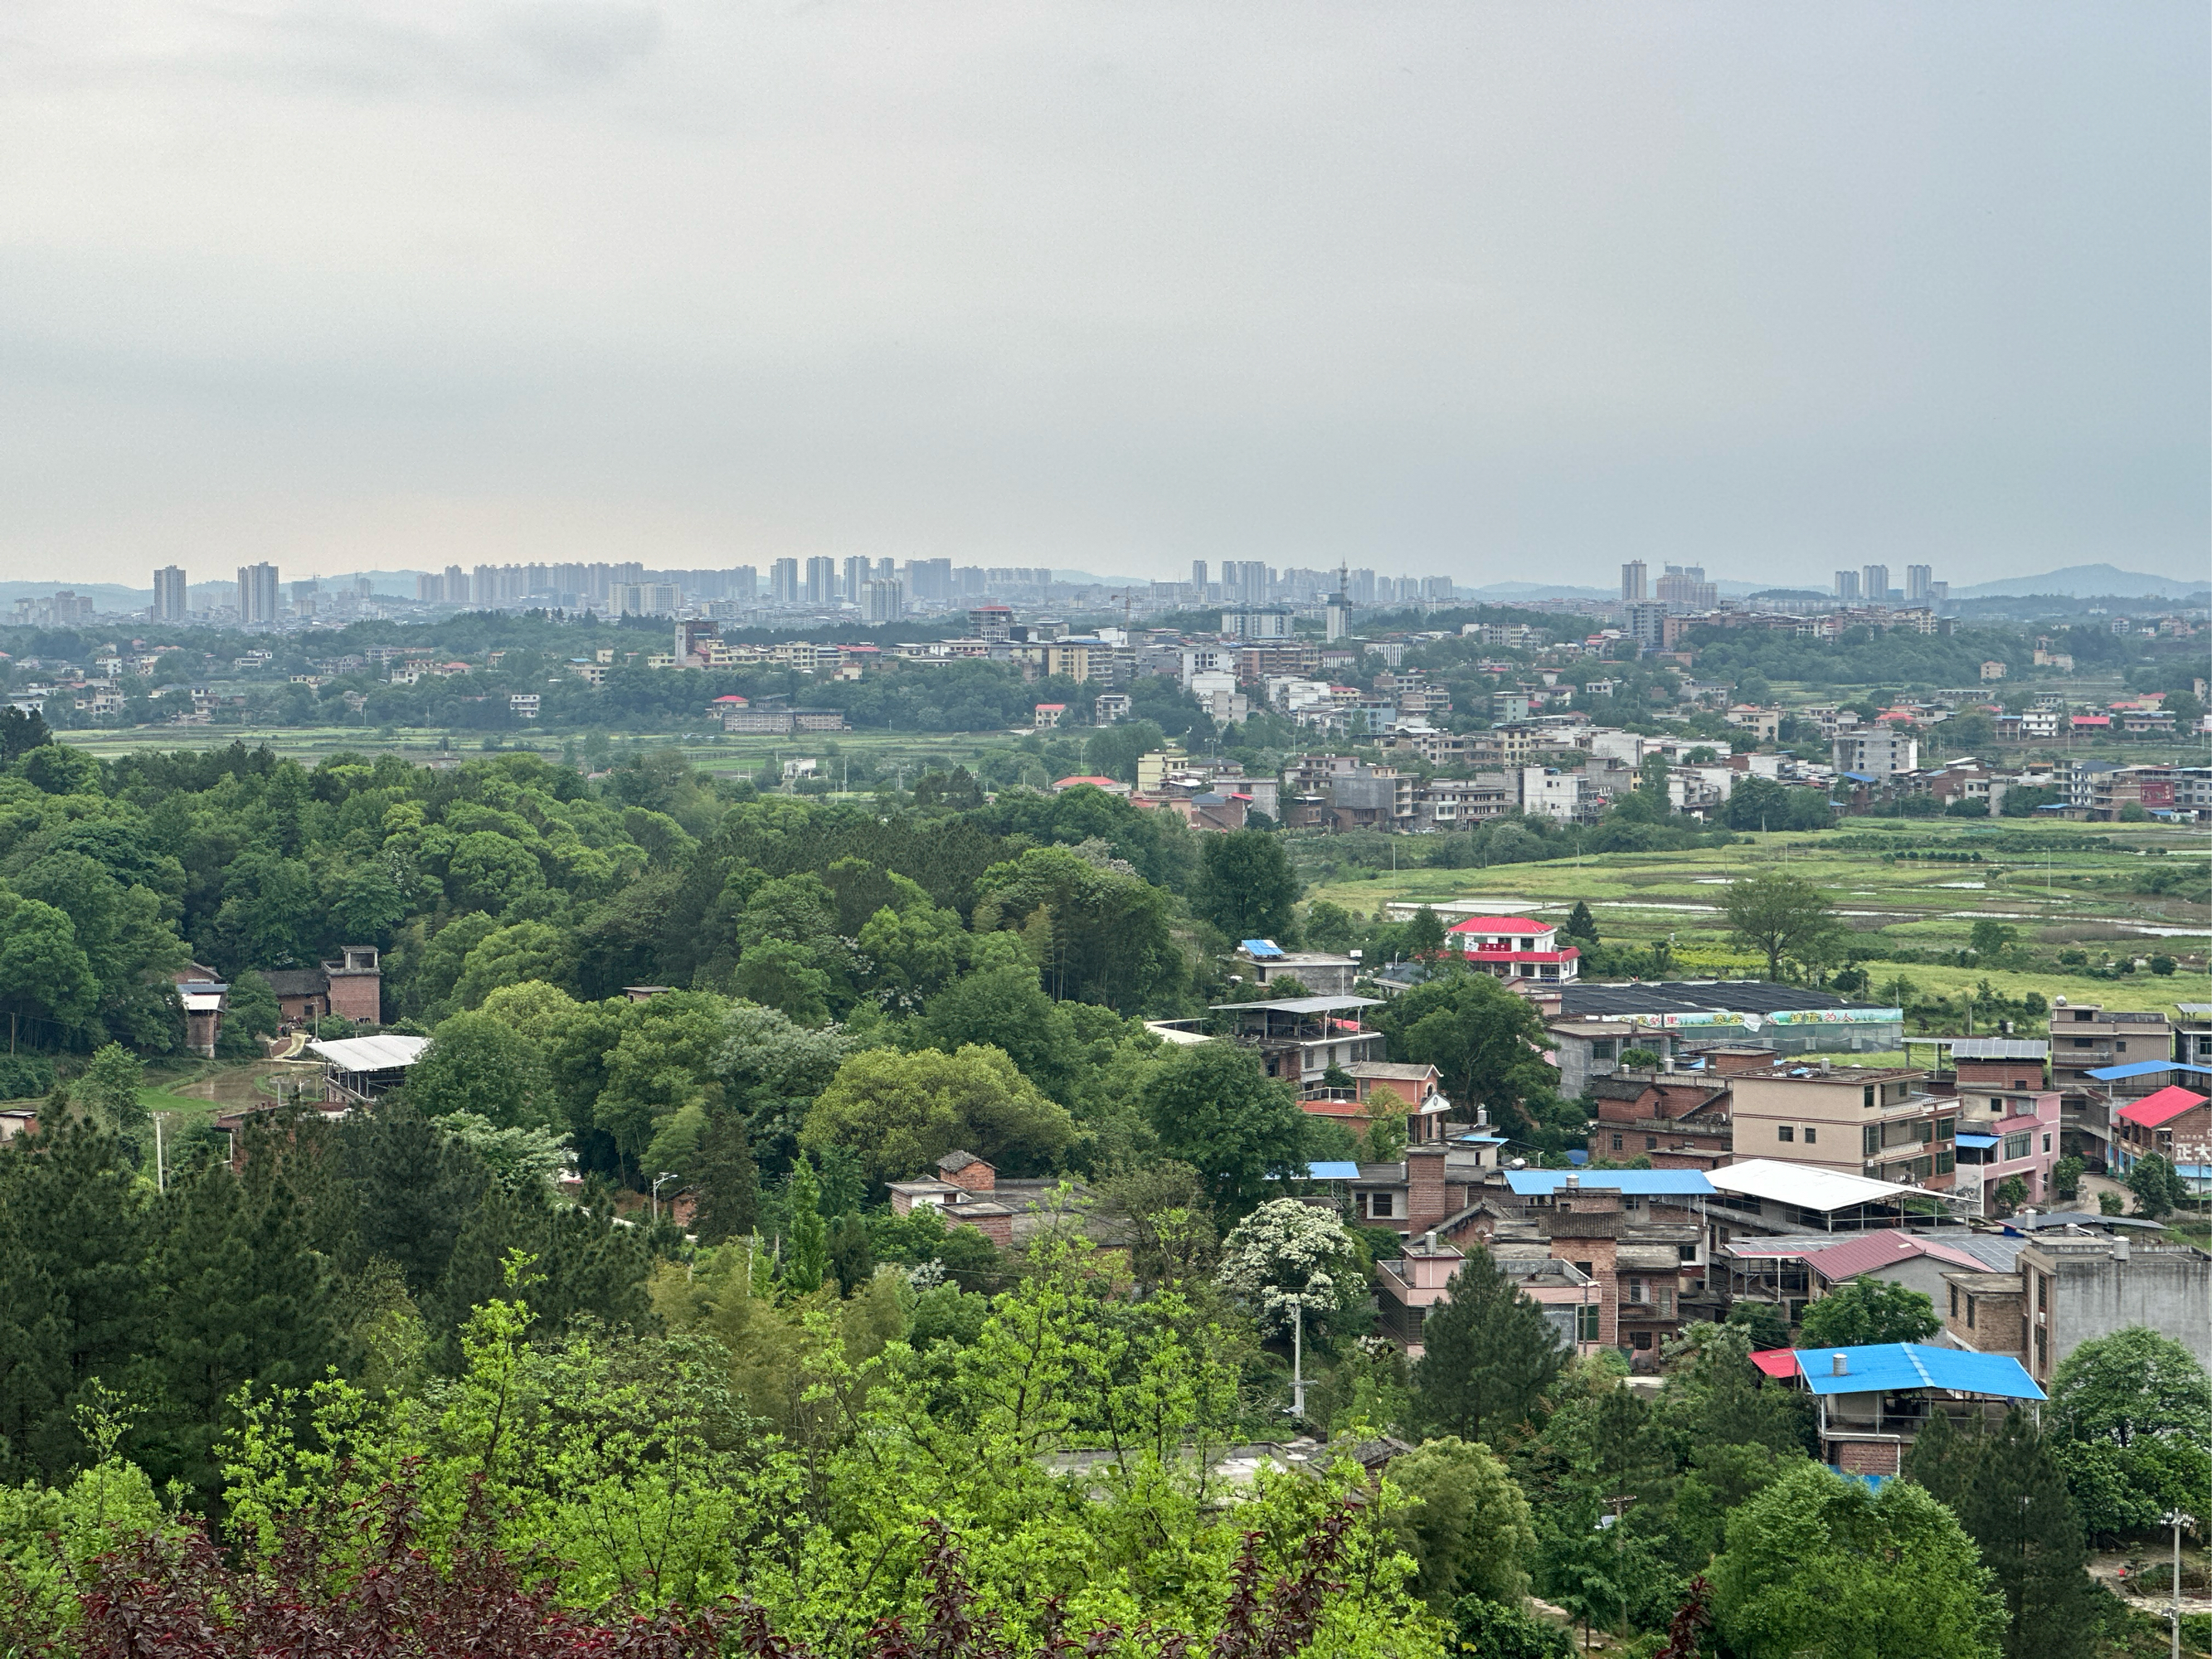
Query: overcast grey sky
[1505,291]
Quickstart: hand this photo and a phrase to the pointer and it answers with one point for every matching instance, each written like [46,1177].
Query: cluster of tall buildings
[1253,582]
[1684,587]
[881,590]
[1870,585]
[1679,586]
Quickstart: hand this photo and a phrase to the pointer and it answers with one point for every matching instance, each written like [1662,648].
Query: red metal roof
[1503,925]
[2168,1103]
[1871,1250]
[1776,1362]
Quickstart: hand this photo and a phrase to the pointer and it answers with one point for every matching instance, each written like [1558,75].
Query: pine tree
[1488,1355]
[245,1301]
[726,1178]
[1580,925]
[76,1303]
[806,1255]
[2016,1507]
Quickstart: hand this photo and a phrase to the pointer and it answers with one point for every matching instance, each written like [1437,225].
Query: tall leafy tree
[1866,1310]
[901,1112]
[2130,1417]
[1246,886]
[1210,1106]
[1488,1356]
[1487,1043]
[1469,1527]
[1817,1565]
[480,1063]
[1780,916]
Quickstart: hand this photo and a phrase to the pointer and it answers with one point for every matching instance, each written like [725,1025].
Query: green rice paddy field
[2083,893]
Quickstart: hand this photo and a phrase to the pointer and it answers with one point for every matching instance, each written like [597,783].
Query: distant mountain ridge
[2085,581]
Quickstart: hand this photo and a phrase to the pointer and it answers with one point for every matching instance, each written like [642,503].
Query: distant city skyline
[1493,293]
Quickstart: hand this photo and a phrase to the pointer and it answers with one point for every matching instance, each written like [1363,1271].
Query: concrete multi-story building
[258,601]
[1299,1038]
[1684,587]
[1873,584]
[1876,752]
[2074,1288]
[1876,1121]
[783,582]
[1919,584]
[1633,583]
[1322,972]
[170,603]
[1567,796]
[1847,586]
[2010,1122]
[2087,1037]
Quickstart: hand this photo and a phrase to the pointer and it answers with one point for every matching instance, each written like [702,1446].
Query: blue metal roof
[1262,947]
[1333,1170]
[1966,1139]
[1891,1367]
[2145,1068]
[1541,1184]
[1859,777]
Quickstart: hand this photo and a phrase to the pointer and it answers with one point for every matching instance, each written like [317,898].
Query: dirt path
[2108,1569]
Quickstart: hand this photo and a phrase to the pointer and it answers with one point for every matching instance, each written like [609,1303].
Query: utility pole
[160,1173]
[1298,1399]
[2177,1519]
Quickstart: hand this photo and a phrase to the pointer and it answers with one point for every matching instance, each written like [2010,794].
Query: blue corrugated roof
[1539,1183]
[1262,947]
[2145,1068]
[1859,777]
[1895,1366]
[1332,1170]
[1966,1139]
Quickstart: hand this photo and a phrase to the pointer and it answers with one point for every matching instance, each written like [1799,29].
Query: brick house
[1679,1119]
[351,987]
[1635,1246]
[969,1192]
[2173,1123]
[963,1192]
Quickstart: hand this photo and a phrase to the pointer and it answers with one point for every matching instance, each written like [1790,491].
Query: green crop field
[2080,894]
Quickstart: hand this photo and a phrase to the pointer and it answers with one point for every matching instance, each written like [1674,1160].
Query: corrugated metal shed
[372,1053]
[1895,1367]
[1640,1183]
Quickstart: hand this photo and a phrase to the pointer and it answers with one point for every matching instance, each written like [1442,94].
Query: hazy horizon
[1499,292]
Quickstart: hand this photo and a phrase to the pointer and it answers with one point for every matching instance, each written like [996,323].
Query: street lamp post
[666,1175]
[1298,1364]
[2177,1519]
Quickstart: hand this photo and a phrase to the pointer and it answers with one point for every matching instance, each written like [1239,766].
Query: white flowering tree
[1285,1256]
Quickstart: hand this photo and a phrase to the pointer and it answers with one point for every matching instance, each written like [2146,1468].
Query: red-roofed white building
[1048,714]
[1515,947]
